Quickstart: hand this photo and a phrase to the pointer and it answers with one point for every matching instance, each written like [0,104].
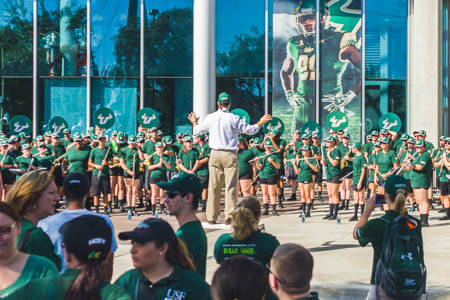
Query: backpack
[401,270]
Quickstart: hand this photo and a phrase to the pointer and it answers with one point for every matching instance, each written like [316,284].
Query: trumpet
[344,162]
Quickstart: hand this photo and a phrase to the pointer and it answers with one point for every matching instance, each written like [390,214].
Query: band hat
[188,138]
[411,140]
[224,99]
[357,145]
[153,129]
[184,183]
[422,133]
[295,131]
[66,131]
[377,144]
[419,144]
[306,136]
[315,135]
[159,144]
[149,230]
[442,138]
[383,132]
[257,141]
[179,135]
[48,134]
[77,137]
[88,238]
[41,145]
[25,146]
[140,134]
[167,139]
[395,183]
[345,136]
[132,139]
[329,139]
[4,142]
[55,136]
[374,133]
[140,140]
[384,141]
[39,138]
[404,137]
[268,143]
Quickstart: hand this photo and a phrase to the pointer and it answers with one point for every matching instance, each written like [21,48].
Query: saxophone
[344,162]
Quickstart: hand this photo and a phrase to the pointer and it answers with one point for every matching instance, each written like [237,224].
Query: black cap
[76,186]
[88,237]
[152,229]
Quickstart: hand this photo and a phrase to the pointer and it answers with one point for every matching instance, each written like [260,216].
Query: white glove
[338,101]
[293,99]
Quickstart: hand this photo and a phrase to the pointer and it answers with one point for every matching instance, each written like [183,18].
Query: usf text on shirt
[224,128]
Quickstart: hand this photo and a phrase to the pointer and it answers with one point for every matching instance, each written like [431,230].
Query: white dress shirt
[224,129]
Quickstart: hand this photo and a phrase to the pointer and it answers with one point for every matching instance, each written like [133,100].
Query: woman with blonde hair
[34,197]
[246,239]
[162,266]
[373,231]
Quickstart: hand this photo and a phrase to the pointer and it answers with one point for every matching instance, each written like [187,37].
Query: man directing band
[223,128]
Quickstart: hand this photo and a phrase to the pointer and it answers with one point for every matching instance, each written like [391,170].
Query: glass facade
[445,77]
[386,42]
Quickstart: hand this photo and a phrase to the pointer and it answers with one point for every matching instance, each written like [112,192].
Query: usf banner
[294,57]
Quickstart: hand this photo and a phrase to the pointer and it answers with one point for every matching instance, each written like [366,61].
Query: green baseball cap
[26,146]
[39,138]
[329,139]
[295,131]
[394,183]
[167,139]
[420,143]
[3,142]
[114,133]
[140,134]
[76,137]
[442,138]
[383,131]
[188,138]
[55,136]
[384,141]
[41,145]
[159,144]
[140,139]
[411,140]
[377,144]
[346,136]
[275,132]
[159,132]
[101,135]
[447,139]
[179,135]
[357,145]
[404,137]
[94,138]
[267,143]
[132,139]
[422,133]
[66,131]
[374,133]
[224,98]
[305,136]
[315,135]
[240,139]
[257,141]
[153,129]
[185,183]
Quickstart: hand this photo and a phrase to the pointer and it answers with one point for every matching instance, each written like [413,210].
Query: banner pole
[363,72]
[317,79]
[266,59]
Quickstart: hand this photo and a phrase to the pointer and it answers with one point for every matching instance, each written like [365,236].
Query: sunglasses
[173,194]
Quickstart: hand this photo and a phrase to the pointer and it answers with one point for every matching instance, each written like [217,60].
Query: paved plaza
[342,268]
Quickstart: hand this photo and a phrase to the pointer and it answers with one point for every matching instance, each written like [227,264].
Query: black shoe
[430,202]
[106,211]
[326,217]
[134,212]
[342,205]
[354,218]
[292,198]
[153,209]
[443,218]
[280,201]
[425,224]
[203,205]
[122,208]
[347,204]
[274,210]
[441,210]
[266,210]
[148,207]
[333,217]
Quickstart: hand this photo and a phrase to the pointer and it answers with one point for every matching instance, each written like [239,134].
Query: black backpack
[401,270]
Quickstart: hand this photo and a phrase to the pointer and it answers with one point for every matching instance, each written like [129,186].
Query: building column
[204,89]
[425,78]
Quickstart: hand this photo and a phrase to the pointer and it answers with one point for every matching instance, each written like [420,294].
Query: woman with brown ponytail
[246,239]
[372,231]
[163,268]
[89,260]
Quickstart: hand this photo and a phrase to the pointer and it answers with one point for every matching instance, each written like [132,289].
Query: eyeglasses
[7,229]
[270,271]
[172,194]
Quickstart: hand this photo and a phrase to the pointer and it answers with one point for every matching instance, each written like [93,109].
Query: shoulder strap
[24,241]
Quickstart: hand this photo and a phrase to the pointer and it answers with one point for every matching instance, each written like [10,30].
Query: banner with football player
[294,57]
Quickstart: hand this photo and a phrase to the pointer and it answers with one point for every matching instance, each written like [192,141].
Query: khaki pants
[223,168]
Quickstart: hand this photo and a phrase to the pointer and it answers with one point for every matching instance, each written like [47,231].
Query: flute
[262,156]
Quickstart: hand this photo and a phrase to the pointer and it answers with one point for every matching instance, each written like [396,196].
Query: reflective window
[168,37]
[16,38]
[115,37]
[386,60]
[119,95]
[17,99]
[65,98]
[62,38]
[172,98]
[445,54]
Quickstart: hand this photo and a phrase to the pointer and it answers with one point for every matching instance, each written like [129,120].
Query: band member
[99,161]
[158,165]
[444,179]
[202,171]
[130,157]
[305,167]
[436,156]
[188,156]
[358,180]
[268,165]
[76,158]
[405,159]
[429,147]
[149,149]
[346,169]
[45,160]
[26,161]
[318,177]
[385,162]
[289,154]
[7,161]
[421,170]
[116,172]
[371,169]
[332,161]
[172,152]
[58,151]
[246,170]
[257,151]
[67,140]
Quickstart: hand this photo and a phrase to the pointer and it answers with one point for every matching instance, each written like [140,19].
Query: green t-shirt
[346,151]
[331,170]
[66,142]
[244,156]
[45,161]
[422,179]
[203,153]
[188,159]
[444,172]
[291,152]
[436,155]
[258,246]
[171,157]
[368,148]
[305,172]
[56,288]
[385,161]
[268,170]
[181,284]
[23,163]
[35,267]
[373,232]
[10,160]
[406,173]
[359,163]
[371,161]
[129,155]
[57,150]
[77,159]
[149,147]
[38,242]
[97,155]
[193,235]
[159,173]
